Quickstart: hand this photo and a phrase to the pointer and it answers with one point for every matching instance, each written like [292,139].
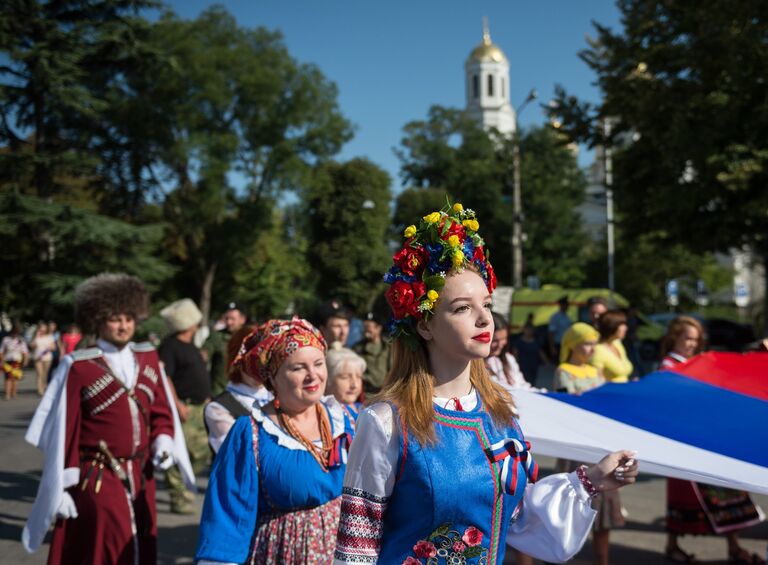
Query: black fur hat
[97,298]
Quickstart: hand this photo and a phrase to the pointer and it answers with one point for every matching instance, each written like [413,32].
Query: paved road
[637,544]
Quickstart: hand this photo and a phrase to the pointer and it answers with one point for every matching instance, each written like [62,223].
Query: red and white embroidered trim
[360,526]
[581,472]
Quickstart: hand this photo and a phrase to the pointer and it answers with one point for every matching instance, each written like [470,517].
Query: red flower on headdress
[491,284]
[455,228]
[411,260]
[479,254]
[403,298]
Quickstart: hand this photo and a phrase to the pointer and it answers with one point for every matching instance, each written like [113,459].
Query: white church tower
[487,86]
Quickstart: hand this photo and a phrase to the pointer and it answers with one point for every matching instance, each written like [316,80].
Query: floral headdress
[443,242]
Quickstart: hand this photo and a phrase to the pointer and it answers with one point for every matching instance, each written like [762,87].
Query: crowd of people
[400,447]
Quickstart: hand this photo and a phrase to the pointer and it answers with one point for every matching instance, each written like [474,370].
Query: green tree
[553,186]
[684,84]
[450,154]
[48,248]
[272,276]
[236,104]
[347,223]
[63,64]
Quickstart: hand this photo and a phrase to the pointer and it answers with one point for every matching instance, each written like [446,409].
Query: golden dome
[487,51]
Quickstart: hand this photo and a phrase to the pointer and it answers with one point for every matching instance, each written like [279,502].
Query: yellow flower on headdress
[432,296]
[410,231]
[458,258]
[432,218]
[473,225]
[453,241]
[458,208]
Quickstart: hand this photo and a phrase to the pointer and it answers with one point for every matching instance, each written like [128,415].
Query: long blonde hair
[410,386]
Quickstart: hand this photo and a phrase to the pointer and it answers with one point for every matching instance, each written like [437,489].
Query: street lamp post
[517,204]
[608,152]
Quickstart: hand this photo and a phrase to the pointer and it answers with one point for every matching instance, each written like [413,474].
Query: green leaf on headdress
[446,226]
[434,282]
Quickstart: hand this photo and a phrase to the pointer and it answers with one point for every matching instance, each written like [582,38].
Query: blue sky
[393,60]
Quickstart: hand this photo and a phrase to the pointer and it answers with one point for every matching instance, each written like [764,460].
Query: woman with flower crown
[275,489]
[439,469]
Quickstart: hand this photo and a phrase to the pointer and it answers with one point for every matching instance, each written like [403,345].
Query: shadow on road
[176,544]
[19,487]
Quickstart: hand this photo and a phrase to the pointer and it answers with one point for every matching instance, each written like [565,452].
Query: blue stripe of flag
[686,410]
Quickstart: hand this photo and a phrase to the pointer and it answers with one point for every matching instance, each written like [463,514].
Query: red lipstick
[484,337]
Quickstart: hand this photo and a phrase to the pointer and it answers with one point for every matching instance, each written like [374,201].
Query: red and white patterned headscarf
[271,343]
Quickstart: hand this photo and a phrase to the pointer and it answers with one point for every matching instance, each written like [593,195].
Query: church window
[490,85]
[475,86]
[502,88]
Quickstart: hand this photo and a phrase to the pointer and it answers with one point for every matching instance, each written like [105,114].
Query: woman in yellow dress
[610,356]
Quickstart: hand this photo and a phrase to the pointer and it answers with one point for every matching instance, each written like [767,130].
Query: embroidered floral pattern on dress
[450,546]
[298,536]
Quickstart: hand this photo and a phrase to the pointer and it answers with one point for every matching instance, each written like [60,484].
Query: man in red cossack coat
[105,424]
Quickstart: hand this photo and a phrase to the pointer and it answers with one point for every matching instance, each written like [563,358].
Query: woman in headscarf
[275,489]
[575,375]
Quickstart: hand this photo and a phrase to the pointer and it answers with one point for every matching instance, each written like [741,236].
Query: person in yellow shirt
[610,355]
[575,375]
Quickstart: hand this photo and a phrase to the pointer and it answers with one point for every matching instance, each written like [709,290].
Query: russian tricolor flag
[707,421]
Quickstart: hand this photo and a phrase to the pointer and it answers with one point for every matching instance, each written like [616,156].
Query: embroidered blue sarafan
[453,501]
[242,488]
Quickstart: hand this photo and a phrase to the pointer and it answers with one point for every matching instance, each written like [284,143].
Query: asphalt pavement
[640,542]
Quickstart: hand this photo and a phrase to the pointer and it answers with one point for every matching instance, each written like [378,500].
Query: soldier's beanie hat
[97,298]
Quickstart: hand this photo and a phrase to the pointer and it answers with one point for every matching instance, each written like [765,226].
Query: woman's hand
[614,471]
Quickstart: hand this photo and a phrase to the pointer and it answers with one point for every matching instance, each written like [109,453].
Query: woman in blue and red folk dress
[439,470]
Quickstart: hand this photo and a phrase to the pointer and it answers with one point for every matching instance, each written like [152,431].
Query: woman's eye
[489,305]
[463,308]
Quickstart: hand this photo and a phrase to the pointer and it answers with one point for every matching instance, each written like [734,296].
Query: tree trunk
[205,292]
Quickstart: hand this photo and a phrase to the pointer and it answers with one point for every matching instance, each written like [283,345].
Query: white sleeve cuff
[71,477]
[578,487]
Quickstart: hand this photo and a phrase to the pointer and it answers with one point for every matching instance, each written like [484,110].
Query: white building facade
[487,86]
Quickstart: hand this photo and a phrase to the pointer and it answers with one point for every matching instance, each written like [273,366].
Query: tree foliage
[348,220]
[450,154]
[48,248]
[202,125]
[684,85]
[65,68]
[234,104]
